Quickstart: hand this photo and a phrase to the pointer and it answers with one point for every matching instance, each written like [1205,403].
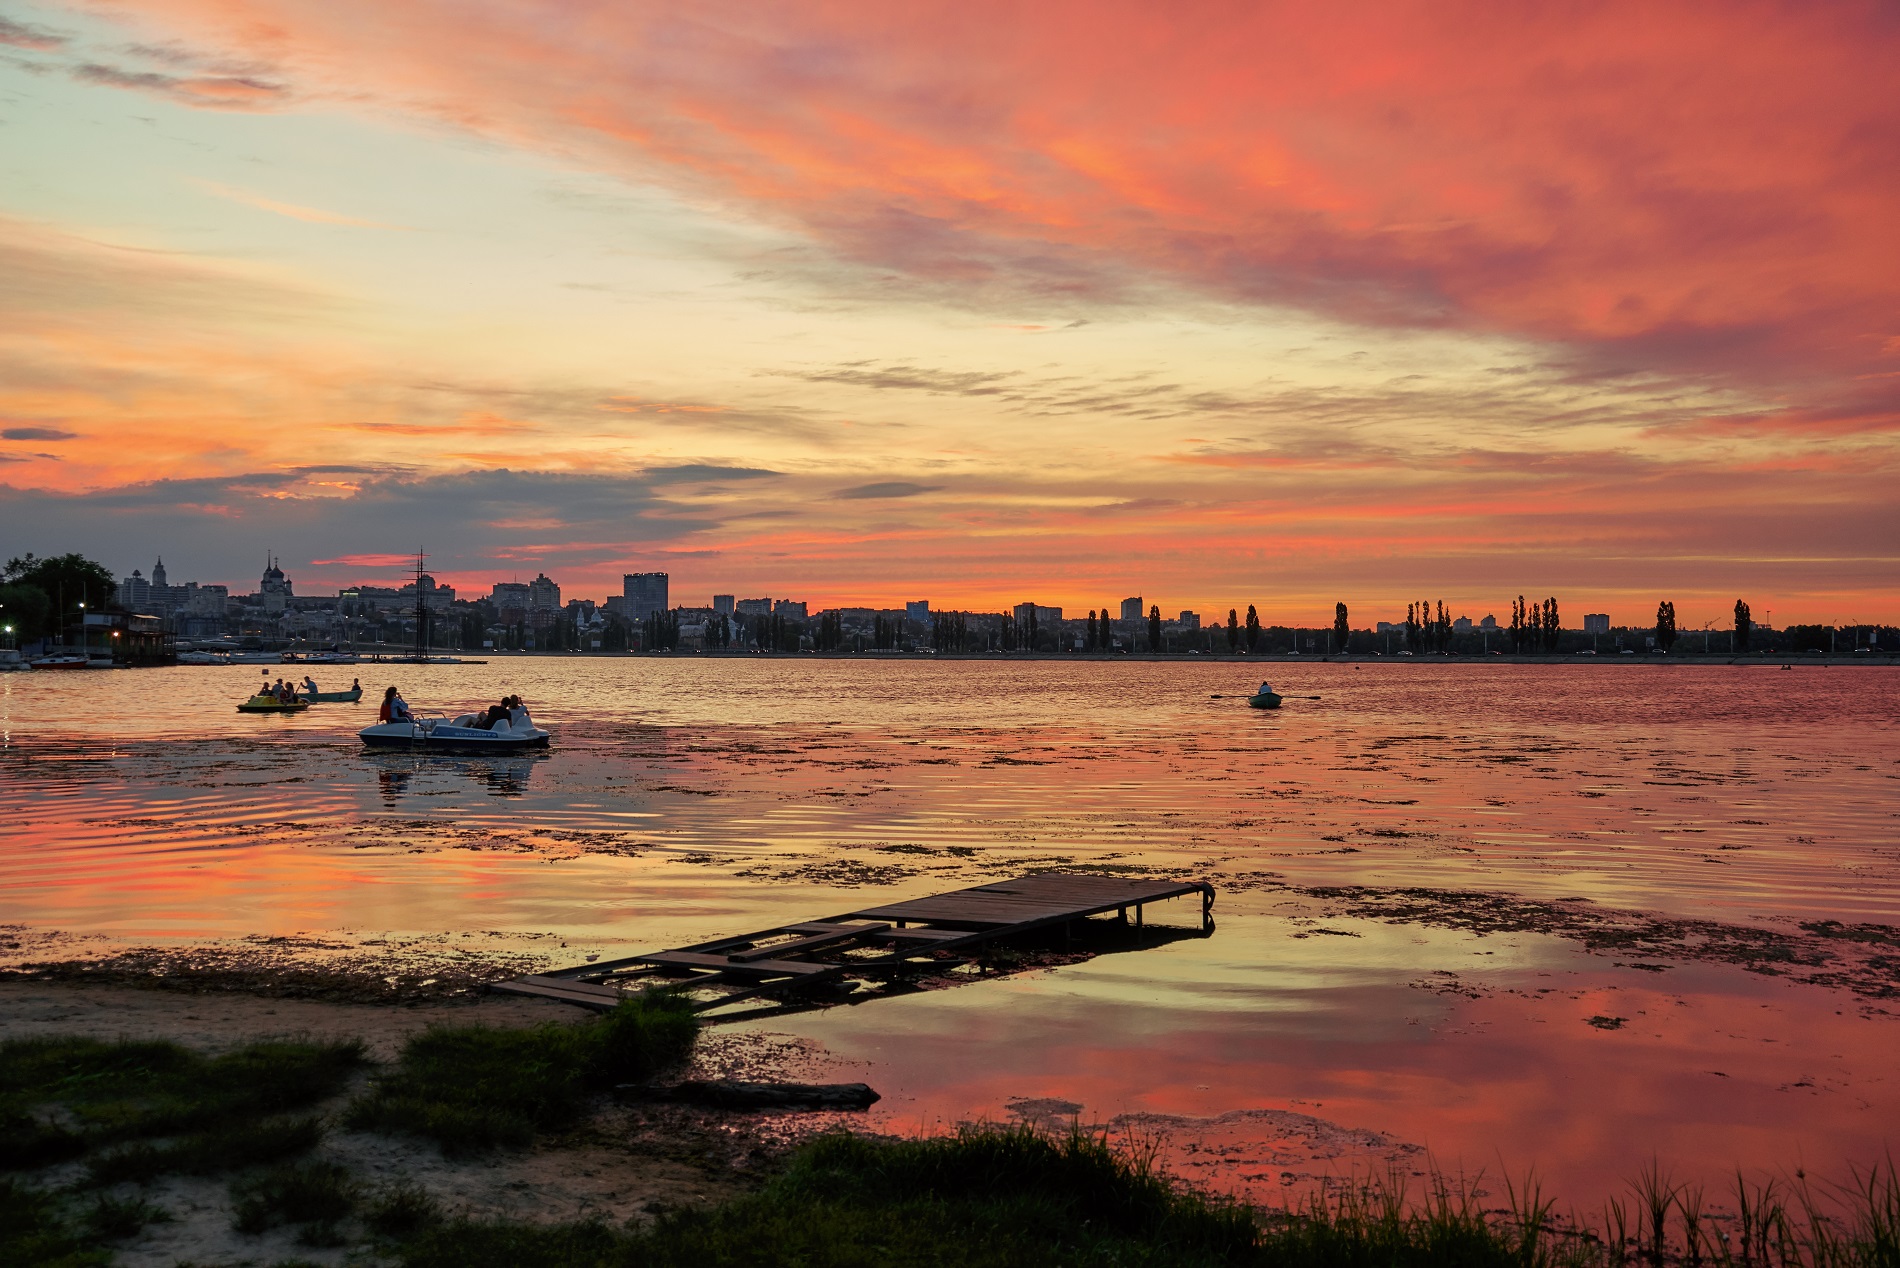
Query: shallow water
[687,797]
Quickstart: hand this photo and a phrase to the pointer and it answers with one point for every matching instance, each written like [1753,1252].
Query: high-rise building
[722,604]
[753,607]
[1046,618]
[645,594]
[790,609]
[918,612]
[1596,623]
[1190,620]
[1131,609]
[543,594]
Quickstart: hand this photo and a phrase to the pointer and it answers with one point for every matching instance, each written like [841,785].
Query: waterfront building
[1489,625]
[1461,626]
[790,609]
[722,604]
[1046,618]
[1189,620]
[753,607]
[644,593]
[918,612]
[1132,609]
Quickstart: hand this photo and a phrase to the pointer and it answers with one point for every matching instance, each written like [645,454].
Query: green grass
[318,1196]
[62,1097]
[989,1198]
[471,1088]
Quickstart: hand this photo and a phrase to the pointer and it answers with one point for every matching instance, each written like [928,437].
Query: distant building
[790,609]
[722,604]
[644,594]
[1596,623]
[1046,618]
[1489,625]
[918,611]
[753,607]
[274,589]
[1131,609]
[511,602]
[543,594]
[1389,627]
[1190,620]
[1461,626]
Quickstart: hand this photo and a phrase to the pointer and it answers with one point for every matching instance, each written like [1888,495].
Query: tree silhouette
[1342,628]
[1154,627]
[1253,629]
[1233,630]
[1665,625]
[1744,625]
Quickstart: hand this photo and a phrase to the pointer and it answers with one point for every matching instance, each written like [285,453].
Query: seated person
[496,713]
[309,685]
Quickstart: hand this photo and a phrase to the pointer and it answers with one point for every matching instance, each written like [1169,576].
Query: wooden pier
[855,953]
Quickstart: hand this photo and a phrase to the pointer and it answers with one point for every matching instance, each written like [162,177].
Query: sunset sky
[1212,303]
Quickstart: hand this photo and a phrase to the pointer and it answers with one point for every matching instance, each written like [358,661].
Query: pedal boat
[271,704]
[457,735]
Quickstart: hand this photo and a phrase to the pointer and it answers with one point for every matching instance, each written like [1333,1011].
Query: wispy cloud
[26,35]
[218,92]
[36,433]
[294,211]
[886,489]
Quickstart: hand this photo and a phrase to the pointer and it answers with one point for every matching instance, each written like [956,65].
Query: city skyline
[823,301]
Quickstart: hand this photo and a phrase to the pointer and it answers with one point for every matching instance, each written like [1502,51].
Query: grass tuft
[61,1097]
[310,1193]
[226,1148]
[472,1088]
[401,1211]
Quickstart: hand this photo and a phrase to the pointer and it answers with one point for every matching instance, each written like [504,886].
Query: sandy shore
[622,1163]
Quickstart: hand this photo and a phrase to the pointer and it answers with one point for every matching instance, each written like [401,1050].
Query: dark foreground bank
[91,1132]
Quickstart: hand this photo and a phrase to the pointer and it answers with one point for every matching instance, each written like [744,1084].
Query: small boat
[71,661]
[1264,700]
[265,703]
[458,735]
[334,697]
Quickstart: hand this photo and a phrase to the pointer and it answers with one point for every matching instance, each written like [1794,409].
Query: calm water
[688,798]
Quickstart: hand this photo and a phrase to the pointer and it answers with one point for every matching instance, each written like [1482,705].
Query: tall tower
[158,573]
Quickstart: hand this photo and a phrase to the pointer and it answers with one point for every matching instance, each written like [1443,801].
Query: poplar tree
[1233,631]
[1342,628]
[1744,625]
[1666,624]
[1253,629]
[1154,627]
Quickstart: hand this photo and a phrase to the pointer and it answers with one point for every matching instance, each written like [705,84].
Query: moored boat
[70,661]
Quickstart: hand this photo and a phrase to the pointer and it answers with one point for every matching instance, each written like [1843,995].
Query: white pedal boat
[458,734]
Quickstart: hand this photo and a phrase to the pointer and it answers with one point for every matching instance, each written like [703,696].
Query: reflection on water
[398,773]
[688,798]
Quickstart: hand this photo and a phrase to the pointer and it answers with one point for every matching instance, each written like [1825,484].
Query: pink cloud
[1697,192]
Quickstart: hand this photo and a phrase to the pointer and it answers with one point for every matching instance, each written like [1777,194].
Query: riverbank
[238,1129]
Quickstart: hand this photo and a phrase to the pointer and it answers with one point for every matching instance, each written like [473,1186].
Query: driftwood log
[737,1095]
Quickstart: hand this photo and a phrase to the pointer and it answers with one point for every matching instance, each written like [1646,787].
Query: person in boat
[356,686]
[394,709]
[1266,689]
[495,713]
[518,714]
[309,684]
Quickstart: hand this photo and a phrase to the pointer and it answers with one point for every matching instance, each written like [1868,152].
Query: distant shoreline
[1767,661]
